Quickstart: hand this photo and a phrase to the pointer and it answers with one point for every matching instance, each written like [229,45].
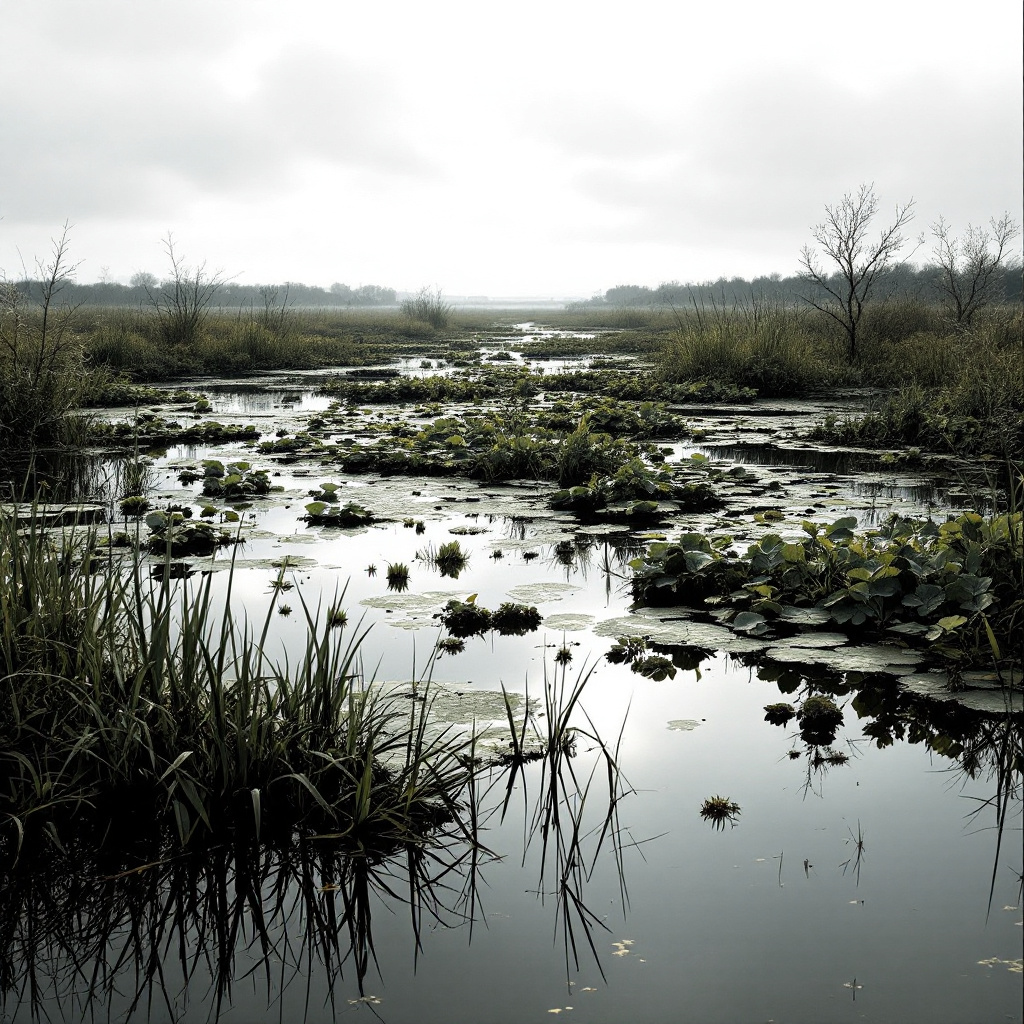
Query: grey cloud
[145,136]
[764,156]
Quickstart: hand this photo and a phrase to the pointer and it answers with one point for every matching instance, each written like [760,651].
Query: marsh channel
[873,874]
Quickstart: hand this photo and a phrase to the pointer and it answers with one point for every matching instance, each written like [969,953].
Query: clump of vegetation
[148,430]
[764,346]
[351,514]
[626,650]
[511,619]
[636,491]
[467,618]
[955,585]
[429,306]
[398,576]
[175,534]
[44,373]
[237,481]
[654,667]
[819,718]
[140,707]
[779,714]
[134,505]
[326,492]
[451,645]
[719,810]
[955,396]
[449,559]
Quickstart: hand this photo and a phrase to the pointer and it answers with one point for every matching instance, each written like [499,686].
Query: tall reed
[124,695]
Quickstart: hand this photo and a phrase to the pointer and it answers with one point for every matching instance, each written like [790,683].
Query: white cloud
[556,146]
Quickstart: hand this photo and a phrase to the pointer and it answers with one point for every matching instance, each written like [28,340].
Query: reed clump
[129,696]
[769,347]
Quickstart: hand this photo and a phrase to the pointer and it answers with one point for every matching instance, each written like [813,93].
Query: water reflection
[64,477]
[100,932]
[126,927]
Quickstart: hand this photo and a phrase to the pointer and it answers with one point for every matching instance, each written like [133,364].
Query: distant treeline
[903,282]
[145,287]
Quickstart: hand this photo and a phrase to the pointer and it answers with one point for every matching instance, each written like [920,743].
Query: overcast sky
[518,148]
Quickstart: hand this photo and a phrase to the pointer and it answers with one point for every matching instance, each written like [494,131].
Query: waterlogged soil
[866,878]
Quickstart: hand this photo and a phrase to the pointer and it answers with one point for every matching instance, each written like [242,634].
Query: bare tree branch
[967,267]
[183,300]
[843,289]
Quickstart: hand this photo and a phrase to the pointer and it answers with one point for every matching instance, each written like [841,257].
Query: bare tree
[968,277]
[853,261]
[183,300]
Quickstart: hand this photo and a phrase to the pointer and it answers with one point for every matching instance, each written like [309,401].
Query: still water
[862,882]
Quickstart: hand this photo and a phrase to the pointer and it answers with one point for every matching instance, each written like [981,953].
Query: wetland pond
[871,873]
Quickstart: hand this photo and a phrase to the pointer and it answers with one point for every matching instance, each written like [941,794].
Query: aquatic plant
[327,492]
[654,667]
[467,618]
[626,650]
[134,506]
[819,718]
[149,431]
[351,514]
[779,714]
[953,585]
[128,696]
[512,619]
[719,810]
[398,576]
[237,481]
[176,535]
[449,559]
[637,491]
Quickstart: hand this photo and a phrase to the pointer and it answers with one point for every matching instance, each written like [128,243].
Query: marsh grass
[770,347]
[429,306]
[449,559]
[125,695]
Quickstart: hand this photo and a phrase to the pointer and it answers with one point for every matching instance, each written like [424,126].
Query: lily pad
[683,724]
[894,661]
[681,632]
[805,616]
[935,686]
[832,640]
[426,603]
[539,593]
[568,622]
[454,710]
